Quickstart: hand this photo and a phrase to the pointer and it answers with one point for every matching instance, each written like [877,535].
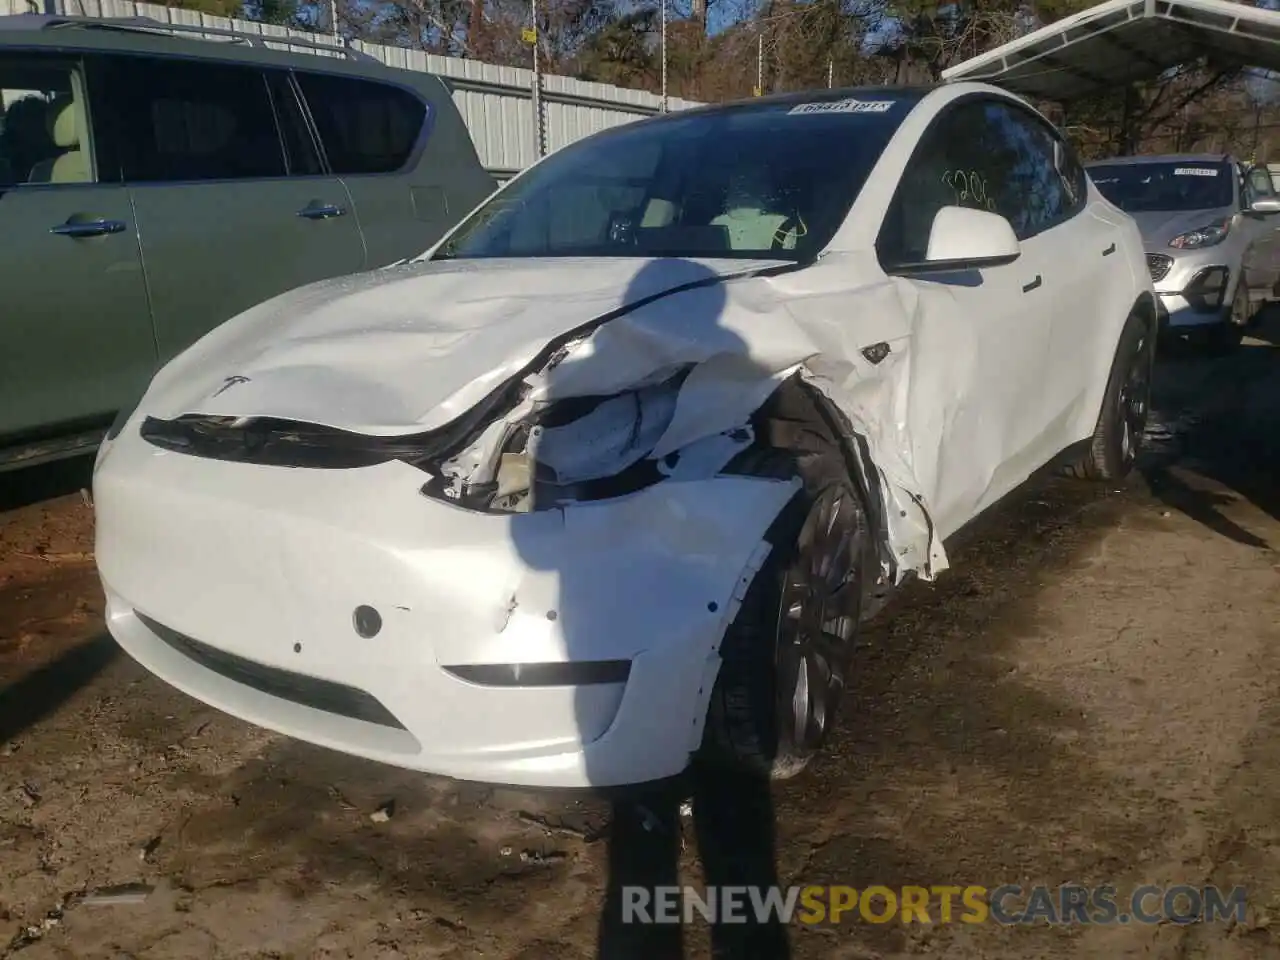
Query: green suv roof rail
[40,21]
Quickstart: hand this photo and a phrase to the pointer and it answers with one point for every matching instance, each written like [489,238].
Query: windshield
[762,180]
[1140,187]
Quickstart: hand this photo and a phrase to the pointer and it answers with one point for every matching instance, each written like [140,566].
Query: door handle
[89,228]
[1028,287]
[321,211]
[1109,251]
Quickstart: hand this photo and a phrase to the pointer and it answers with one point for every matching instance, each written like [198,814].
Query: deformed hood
[411,346]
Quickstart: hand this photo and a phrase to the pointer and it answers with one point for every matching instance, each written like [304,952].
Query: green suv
[153,186]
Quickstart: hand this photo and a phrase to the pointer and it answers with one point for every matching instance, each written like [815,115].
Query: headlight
[574,445]
[1206,236]
[585,447]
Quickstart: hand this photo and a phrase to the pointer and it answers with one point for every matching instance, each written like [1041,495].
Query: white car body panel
[982,384]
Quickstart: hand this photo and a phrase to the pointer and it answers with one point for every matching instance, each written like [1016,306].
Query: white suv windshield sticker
[1195,172]
[849,105]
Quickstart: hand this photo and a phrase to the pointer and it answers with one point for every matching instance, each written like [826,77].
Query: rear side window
[44,133]
[182,120]
[365,127]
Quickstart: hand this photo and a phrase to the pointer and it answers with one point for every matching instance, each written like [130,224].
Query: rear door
[233,205]
[75,331]
[373,134]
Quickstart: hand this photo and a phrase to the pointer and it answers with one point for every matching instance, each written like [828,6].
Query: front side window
[187,121]
[1171,186]
[365,127]
[987,155]
[981,154]
[44,130]
[1038,195]
[768,180]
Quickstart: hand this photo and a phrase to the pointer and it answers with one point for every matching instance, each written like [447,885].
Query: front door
[232,202]
[979,358]
[76,340]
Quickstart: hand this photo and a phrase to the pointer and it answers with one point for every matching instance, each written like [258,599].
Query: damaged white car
[607,480]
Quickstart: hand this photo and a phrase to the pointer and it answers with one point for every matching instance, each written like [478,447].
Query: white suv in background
[1207,222]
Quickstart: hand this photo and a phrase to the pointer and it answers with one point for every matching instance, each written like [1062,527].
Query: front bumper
[1193,288]
[239,584]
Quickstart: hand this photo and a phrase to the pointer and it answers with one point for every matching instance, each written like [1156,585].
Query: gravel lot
[1091,695]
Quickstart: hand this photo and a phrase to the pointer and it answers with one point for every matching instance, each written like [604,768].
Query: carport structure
[1109,47]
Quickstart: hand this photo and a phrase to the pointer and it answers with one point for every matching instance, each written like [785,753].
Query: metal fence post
[539,124]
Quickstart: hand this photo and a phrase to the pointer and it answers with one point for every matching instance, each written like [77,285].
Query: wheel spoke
[844,597]
[830,645]
[801,699]
[819,603]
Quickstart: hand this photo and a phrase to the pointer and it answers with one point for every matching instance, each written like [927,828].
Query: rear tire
[1117,436]
[785,657]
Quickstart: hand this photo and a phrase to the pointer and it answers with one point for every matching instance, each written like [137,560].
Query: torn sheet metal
[409,348]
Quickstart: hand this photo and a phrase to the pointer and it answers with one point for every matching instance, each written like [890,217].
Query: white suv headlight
[1209,235]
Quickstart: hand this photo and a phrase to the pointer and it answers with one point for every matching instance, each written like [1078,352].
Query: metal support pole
[1128,136]
[664,56]
[333,17]
[760,64]
[539,131]
[831,72]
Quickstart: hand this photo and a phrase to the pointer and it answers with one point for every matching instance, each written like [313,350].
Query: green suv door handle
[89,228]
[321,211]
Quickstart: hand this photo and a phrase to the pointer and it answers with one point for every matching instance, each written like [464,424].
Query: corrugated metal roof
[1121,41]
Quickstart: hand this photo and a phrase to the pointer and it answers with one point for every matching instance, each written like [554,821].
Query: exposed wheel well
[799,420]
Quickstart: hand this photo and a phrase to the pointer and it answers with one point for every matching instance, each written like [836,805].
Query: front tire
[785,657]
[1225,337]
[1117,435]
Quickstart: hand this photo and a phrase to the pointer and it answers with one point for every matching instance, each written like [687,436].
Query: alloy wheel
[820,604]
[1135,401]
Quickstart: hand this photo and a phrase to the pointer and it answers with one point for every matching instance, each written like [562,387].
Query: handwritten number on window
[969,188]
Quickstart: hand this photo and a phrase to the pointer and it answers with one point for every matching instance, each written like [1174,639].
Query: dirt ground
[1091,695]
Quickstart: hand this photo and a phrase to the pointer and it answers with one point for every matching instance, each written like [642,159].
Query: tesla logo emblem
[228,383]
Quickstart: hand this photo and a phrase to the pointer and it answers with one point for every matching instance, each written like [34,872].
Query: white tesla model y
[608,478]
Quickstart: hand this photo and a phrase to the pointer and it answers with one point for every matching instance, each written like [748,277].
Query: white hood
[412,347]
[409,347]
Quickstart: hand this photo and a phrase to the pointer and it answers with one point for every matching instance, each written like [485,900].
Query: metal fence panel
[495,101]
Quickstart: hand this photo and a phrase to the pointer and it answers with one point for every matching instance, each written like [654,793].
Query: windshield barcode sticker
[849,105]
[1195,172]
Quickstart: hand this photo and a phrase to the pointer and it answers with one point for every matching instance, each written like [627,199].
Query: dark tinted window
[765,181]
[365,127]
[183,120]
[300,151]
[985,155]
[1166,185]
